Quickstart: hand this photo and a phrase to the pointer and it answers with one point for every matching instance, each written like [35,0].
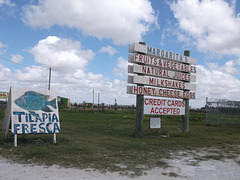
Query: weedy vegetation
[104,140]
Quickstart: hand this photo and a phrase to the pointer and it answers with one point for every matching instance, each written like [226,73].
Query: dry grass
[105,141]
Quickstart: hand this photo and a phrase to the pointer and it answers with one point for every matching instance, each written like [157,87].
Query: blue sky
[85,42]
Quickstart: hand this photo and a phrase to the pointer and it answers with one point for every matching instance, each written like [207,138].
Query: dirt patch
[191,164]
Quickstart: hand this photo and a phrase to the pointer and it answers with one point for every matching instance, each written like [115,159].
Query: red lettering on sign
[165,111]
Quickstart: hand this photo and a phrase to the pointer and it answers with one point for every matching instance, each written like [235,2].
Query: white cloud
[122,67]
[76,83]
[6,78]
[78,87]
[16,58]
[213,65]
[61,54]
[123,21]
[1,45]
[2,48]
[32,74]
[5,73]
[229,67]
[109,49]
[215,84]
[6,2]
[212,24]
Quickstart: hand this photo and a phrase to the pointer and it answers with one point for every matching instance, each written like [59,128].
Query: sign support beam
[139,116]
[54,138]
[15,140]
[139,112]
[185,121]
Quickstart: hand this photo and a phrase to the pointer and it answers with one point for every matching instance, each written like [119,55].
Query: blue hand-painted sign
[33,111]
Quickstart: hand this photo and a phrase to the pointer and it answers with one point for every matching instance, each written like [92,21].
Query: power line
[13,62]
[5,59]
[36,67]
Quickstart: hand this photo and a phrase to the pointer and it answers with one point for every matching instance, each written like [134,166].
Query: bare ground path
[182,166]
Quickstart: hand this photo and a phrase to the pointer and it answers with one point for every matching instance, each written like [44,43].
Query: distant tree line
[88,106]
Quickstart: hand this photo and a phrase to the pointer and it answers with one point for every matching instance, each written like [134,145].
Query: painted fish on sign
[33,111]
[33,101]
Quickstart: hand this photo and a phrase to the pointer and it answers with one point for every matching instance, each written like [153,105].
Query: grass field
[104,140]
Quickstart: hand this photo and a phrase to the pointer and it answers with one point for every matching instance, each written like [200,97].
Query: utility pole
[115,105]
[98,100]
[93,98]
[49,82]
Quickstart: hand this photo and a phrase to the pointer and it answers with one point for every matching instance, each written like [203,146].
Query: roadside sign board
[161,53]
[156,106]
[160,72]
[162,63]
[173,72]
[32,111]
[161,92]
[161,82]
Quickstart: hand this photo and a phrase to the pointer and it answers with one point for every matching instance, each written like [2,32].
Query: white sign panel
[163,106]
[155,122]
[162,63]
[33,111]
[160,82]
[161,53]
[151,91]
[159,72]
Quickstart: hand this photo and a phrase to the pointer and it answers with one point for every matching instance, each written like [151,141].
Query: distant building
[63,102]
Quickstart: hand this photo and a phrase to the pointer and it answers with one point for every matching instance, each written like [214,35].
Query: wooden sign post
[139,111]
[185,121]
